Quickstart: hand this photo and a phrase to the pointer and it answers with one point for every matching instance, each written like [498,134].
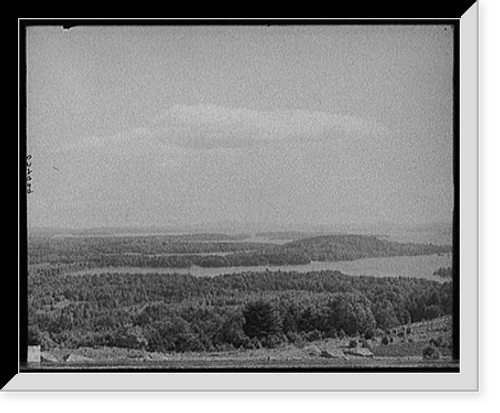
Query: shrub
[353,344]
[295,338]
[432,311]
[231,330]
[224,347]
[313,335]
[431,353]
[437,342]
[273,341]
[130,337]
[33,335]
[46,341]
[385,340]
[370,334]
[173,334]
[252,343]
[256,343]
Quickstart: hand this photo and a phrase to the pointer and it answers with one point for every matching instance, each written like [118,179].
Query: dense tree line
[184,313]
[351,247]
[82,249]
[179,252]
[271,256]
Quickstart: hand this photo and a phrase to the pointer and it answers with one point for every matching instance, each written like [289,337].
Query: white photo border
[466,380]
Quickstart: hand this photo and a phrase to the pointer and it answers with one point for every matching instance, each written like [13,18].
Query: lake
[422,266]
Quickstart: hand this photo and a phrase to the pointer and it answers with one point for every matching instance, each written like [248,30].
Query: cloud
[182,129]
[210,127]
[137,141]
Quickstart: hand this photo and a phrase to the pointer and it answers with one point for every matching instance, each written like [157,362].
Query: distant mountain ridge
[204,250]
[234,227]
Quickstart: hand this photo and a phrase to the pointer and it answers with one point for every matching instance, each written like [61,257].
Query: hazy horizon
[254,227]
[281,126]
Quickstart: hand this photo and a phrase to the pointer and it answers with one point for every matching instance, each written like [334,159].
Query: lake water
[422,266]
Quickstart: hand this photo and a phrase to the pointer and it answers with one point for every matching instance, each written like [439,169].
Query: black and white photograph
[257,196]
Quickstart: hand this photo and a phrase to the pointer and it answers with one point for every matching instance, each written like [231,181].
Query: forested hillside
[215,250]
[249,310]
[351,247]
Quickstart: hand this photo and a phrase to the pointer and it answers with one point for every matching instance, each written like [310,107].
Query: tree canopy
[170,312]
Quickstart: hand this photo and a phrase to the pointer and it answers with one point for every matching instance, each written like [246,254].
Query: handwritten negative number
[29,178]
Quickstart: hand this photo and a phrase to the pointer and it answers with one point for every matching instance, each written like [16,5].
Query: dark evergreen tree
[261,319]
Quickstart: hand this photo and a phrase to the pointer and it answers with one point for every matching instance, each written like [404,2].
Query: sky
[180,125]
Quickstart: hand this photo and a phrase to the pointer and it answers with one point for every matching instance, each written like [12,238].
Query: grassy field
[404,352]
[253,365]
